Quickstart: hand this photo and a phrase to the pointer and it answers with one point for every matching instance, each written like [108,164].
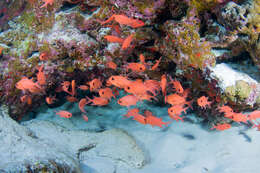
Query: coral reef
[233,16]
[242,20]
[239,88]
[183,44]
[186,56]
[64,47]
[10,9]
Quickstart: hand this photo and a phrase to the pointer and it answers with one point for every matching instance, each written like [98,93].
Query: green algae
[144,5]
[252,31]
[192,50]
[36,24]
[239,92]
[203,5]
[243,89]
[230,92]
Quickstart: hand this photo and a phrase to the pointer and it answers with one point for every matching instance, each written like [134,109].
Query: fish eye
[141,68]
[128,88]
[112,78]
[103,92]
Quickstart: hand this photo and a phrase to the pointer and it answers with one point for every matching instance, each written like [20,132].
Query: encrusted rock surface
[91,144]
[22,151]
[233,16]
[239,87]
[43,145]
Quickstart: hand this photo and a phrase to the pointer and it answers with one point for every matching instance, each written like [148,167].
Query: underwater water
[120,86]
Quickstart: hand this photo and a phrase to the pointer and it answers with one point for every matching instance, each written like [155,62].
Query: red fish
[121,19]
[26,99]
[106,93]
[176,110]
[28,84]
[153,120]
[43,56]
[132,112]
[137,23]
[163,86]
[136,67]
[85,117]
[41,76]
[221,127]
[124,20]
[98,101]
[111,65]
[140,118]
[118,81]
[175,99]
[177,86]
[127,41]
[140,89]
[239,117]
[47,2]
[71,99]
[228,111]
[254,115]
[83,87]
[203,102]
[95,84]
[116,28]
[142,59]
[50,100]
[73,88]
[155,66]
[113,39]
[64,114]
[65,87]
[82,103]
[128,100]
[153,86]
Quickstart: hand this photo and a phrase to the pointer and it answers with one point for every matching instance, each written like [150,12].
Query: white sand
[180,148]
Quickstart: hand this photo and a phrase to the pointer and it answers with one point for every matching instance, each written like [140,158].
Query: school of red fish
[137,90]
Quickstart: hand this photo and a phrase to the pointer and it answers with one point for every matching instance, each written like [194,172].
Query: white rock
[21,148]
[62,30]
[39,141]
[228,76]
[85,145]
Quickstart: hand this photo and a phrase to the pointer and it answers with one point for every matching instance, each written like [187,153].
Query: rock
[22,151]
[237,86]
[187,48]
[114,144]
[127,151]
[42,145]
[8,13]
[244,20]
[233,16]
[67,31]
